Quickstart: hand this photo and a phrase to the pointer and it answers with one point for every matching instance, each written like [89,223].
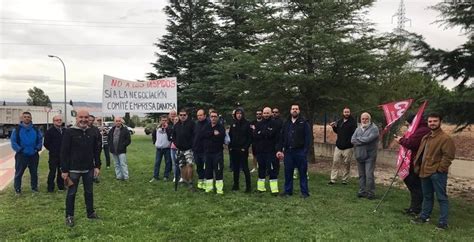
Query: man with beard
[253,124]
[344,128]
[265,137]
[412,181]
[293,148]
[240,139]
[213,135]
[52,141]
[198,147]
[365,141]
[433,159]
[183,136]
[79,158]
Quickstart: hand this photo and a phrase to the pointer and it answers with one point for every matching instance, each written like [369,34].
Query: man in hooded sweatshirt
[240,139]
[413,181]
[27,141]
[80,158]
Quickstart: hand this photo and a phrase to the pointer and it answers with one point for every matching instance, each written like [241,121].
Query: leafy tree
[37,97]
[188,49]
[457,64]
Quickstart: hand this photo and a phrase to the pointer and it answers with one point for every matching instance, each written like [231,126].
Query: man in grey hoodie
[365,140]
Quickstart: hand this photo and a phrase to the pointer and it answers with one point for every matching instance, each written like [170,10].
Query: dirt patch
[457,187]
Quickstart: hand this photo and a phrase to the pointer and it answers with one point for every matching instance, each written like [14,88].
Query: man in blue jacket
[293,147]
[27,141]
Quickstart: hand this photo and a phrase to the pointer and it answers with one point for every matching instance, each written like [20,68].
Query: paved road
[7,163]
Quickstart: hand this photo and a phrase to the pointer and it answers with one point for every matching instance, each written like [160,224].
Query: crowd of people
[75,153]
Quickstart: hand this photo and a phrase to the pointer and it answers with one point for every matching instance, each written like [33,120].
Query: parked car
[110,124]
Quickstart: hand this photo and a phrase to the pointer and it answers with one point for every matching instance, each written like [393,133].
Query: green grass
[139,210]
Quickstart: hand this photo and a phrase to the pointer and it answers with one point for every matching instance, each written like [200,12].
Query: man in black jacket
[198,147]
[213,135]
[293,147]
[264,141]
[79,158]
[344,128]
[52,141]
[183,136]
[240,139]
[99,136]
[119,139]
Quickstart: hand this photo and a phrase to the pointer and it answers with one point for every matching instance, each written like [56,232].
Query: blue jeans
[296,159]
[159,156]
[87,181]
[436,183]
[21,163]
[121,166]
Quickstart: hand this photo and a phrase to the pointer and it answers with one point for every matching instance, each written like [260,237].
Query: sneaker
[181,180]
[441,226]
[253,170]
[93,215]
[344,182]
[361,194]
[285,195]
[70,221]
[165,179]
[331,183]
[304,196]
[153,180]
[419,220]
[371,197]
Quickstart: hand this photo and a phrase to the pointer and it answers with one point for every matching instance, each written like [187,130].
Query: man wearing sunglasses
[213,135]
[183,136]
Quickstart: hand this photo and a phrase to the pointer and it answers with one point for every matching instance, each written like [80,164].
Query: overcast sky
[115,37]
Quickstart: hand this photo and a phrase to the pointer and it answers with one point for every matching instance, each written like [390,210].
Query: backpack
[18,141]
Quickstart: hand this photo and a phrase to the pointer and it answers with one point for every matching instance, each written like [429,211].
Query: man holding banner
[411,141]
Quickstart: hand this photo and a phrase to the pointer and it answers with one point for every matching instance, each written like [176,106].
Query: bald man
[365,140]
[52,141]
[119,139]
[80,158]
[264,142]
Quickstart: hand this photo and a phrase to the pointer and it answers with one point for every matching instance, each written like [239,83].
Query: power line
[73,21]
[76,25]
[102,45]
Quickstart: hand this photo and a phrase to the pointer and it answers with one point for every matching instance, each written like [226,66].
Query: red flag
[394,110]
[404,155]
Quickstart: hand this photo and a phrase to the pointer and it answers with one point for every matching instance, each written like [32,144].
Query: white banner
[155,96]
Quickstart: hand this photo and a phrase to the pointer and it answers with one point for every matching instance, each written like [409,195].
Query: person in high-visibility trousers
[264,140]
[293,148]
[213,135]
[198,147]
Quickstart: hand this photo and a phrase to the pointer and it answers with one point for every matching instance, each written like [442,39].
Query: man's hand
[280,155]
[216,132]
[252,126]
[333,124]
[96,172]
[64,175]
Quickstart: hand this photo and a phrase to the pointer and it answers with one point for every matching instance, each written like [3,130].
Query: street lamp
[65,111]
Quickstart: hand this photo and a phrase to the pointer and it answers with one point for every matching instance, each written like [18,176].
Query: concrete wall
[459,168]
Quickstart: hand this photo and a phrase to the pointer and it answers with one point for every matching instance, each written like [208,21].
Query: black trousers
[107,155]
[214,166]
[55,173]
[413,183]
[87,181]
[240,161]
[268,164]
